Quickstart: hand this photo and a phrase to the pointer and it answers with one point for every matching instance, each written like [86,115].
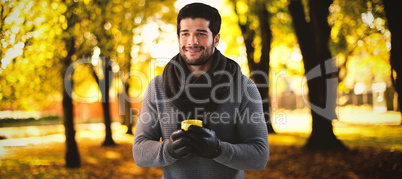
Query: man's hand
[204,142]
[178,145]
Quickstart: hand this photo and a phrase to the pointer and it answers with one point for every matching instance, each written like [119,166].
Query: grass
[48,120]
[374,152]
[43,157]
[374,142]
[358,162]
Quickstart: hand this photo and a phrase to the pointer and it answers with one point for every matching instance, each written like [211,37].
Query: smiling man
[197,43]
[201,83]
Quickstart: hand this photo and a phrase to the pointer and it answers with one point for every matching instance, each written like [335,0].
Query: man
[201,83]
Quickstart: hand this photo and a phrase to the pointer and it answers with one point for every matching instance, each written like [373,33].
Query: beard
[205,56]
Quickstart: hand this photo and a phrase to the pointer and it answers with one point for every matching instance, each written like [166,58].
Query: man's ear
[216,39]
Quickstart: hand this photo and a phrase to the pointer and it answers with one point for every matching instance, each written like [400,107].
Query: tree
[114,31]
[263,65]
[259,71]
[104,85]
[393,13]
[128,26]
[103,35]
[25,51]
[72,156]
[360,42]
[313,38]
[33,66]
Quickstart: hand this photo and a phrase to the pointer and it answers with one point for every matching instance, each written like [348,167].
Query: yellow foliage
[242,8]
[351,39]
[86,2]
[43,24]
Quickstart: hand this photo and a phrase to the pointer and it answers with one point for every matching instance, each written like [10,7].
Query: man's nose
[193,40]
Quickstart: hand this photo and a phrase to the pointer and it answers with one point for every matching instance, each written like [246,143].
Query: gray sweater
[238,123]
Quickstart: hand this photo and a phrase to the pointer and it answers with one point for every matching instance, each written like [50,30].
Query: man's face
[196,42]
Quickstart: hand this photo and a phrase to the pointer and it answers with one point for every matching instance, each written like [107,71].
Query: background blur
[102,41]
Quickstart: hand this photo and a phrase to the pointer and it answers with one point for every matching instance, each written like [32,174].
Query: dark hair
[199,10]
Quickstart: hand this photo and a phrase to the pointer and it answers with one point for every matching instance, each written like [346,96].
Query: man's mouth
[193,49]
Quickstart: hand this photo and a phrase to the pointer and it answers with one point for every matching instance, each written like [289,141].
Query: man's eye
[184,34]
[202,34]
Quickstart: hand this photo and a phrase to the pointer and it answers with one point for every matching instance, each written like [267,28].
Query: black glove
[178,145]
[204,142]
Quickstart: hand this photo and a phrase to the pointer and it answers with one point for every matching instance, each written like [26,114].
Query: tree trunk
[313,39]
[128,119]
[72,156]
[393,14]
[104,87]
[104,38]
[106,103]
[263,65]
[259,72]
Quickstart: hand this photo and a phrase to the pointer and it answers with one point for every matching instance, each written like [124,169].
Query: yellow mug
[187,123]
